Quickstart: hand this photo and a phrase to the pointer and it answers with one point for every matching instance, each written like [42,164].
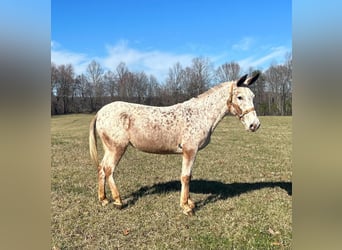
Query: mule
[183,128]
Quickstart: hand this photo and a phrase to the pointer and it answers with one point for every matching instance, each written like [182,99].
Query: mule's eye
[240,97]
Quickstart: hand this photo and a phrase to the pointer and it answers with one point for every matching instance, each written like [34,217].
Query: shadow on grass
[216,190]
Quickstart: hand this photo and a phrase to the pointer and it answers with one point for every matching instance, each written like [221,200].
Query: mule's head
[240,102]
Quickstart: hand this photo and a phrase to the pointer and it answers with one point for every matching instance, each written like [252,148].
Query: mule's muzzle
[254,126]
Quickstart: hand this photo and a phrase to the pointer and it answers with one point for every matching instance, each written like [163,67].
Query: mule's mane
[213,89]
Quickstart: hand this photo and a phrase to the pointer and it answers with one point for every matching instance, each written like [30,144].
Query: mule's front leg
[185,202]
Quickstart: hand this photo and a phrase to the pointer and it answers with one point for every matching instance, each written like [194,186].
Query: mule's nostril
[254,127]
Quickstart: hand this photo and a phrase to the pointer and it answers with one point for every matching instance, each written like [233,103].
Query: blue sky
[153,35]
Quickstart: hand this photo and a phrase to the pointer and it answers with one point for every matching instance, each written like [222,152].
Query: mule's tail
[92,142]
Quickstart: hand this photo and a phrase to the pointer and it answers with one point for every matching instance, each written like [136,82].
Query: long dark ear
[251,80]
[242,80]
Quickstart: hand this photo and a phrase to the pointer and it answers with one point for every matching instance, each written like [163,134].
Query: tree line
[89,91]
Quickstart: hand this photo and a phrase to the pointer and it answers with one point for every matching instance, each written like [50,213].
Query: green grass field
[241,184]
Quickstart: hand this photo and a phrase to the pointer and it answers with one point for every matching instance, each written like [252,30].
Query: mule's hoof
[191,204]
[188,212]
[104,202]
[118,205]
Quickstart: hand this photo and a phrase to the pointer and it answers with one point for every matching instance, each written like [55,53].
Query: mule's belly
[155,139]
[155,149]
[155,143]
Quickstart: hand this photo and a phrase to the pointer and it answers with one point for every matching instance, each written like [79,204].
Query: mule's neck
[213,104]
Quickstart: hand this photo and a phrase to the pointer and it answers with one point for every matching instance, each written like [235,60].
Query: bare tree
[175,78]
[54,89]
[153,92]
[81,83]
[198,78]
[122,77]
[228,72]
[63,78]
[258,89]
[84,92]
[286,85]
[153,88]
[128,83]
[279,82]
[54,79]
[140,85]
[95,79]
[111,84]
[174,83]
[90,91]
[272,79]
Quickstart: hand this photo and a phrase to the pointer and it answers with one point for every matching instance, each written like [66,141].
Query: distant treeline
[93,89]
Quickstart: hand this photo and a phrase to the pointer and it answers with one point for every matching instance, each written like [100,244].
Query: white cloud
[275,54]
[152,62]
[60,56]
[54,45]
[244,44]
[157,62]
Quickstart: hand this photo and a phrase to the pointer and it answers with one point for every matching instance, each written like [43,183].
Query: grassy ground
[241,184]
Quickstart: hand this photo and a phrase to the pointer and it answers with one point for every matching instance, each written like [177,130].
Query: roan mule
[183,128]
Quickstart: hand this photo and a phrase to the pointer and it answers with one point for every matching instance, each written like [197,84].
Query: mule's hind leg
[106,166]
[101,183]
[114,158]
